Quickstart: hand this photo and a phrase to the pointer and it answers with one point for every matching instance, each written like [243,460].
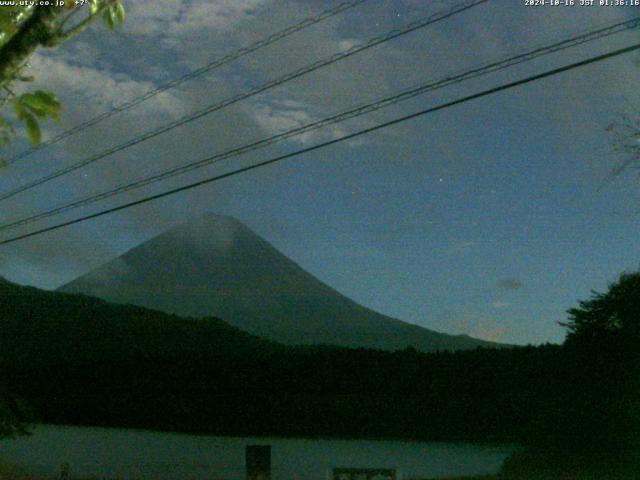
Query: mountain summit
[216,266]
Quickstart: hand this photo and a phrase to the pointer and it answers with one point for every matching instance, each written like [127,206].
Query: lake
[124,454]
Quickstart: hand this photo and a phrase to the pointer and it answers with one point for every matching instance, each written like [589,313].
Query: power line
[340,117]
[345,115]
[290,30]
[343,138]
[250,93]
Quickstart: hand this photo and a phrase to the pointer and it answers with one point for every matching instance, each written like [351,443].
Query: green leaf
[94,6]
[32,103]
[18,108]
[6,21]
[49,99]
[108,18]
[7,132]
[119,11]
[32,129]
[41,103]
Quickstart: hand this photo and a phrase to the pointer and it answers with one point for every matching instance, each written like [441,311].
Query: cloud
[171,18]
[347,43]
[491,334]
[471,321]
[223,15]
[90,90]
[499,304]
[100,89]
[163,39]
[279,116]
[510,284]
[459,248]
[86,88]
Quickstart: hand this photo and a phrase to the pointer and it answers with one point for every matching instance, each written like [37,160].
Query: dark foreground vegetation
[77,360]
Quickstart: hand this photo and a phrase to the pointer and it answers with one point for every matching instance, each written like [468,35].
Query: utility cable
[243,96]
[340,117]
[307,22]
[343,138]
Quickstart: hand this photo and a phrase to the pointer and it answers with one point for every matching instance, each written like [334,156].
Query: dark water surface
[126,454]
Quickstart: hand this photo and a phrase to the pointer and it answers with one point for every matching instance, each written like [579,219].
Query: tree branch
[19,18]
[80,27]
[37,30]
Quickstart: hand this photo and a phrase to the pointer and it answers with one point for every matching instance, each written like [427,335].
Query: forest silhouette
[79,360]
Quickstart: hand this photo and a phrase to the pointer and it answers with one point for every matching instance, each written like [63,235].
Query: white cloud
[163,39]
[222,14]
[95,89]
[281,116]
[153,17]
[182,18]
[346,44]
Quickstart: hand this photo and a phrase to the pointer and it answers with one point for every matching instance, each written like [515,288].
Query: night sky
[486,218]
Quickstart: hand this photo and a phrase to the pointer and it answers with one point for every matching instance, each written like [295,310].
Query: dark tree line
[581,398]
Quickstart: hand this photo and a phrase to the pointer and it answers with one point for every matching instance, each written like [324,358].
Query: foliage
[80,360]
[30,106]
[9,470]
[594,432]
[613,316]
[24,28]
[603,341]
[135,367]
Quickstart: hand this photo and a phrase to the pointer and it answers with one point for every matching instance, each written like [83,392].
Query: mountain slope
[216,266]
[40,328]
